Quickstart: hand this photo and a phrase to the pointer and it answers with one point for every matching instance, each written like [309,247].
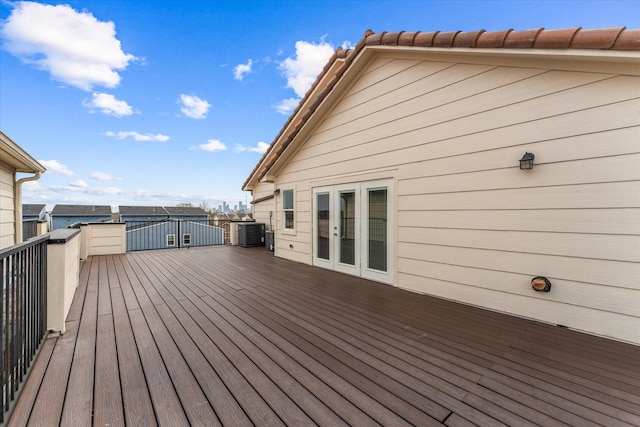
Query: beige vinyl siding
[470,225]
[7,217]
[296,244]
[261,210]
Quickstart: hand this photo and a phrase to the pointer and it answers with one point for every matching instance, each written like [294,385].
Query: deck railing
[24,312]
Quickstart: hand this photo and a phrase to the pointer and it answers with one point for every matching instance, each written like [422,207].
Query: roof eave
[15,156]
[298,118]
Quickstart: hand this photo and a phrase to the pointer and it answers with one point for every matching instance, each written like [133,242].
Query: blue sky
[143,102]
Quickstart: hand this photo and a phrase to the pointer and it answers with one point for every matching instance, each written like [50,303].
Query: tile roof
[32,209]
[142,210]
[81,210]
[618,39]
[181,210]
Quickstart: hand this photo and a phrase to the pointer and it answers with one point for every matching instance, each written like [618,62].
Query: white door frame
[330,228]
[366,271]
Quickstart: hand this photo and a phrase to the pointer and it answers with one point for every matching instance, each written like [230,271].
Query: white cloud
[103,176]
[137,136]
[33,186]
[56,166]
[347,45]
[303,70]
[82,187]
[261,148]
[241,69]
[109,105]
[212,145]
[194,107]
[74,47]
[79,183]
[286,106]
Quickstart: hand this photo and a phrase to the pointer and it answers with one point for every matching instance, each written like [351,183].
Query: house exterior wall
[142,218]
[63,268]
[7,216]
[64,221]
[262,209]
[154,236]
[469,224]
[105,239]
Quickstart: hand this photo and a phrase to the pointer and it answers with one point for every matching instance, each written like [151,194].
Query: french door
[352,229]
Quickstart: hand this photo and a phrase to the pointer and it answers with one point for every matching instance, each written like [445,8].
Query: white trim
[361,226]
[366,272]
[284,229]
[321,262]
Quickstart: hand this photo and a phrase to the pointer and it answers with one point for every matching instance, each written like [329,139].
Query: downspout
[17,208]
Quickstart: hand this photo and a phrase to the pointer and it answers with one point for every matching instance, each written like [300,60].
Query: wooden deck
[231,336]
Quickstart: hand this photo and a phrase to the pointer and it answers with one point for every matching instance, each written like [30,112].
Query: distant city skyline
[145,102]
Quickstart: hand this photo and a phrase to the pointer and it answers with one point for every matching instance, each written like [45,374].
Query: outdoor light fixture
[276,191]
[541,284]
[526,162]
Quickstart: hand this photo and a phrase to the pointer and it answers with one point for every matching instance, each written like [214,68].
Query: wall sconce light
[541,284]
[526,162]
[276,191]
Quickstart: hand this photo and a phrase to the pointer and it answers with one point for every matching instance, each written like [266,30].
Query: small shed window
[287,208]
[186,239]
[171,240]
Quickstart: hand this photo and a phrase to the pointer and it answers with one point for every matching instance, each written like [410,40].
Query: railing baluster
[23,303]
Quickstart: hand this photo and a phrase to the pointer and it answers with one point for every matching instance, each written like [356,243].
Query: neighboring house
[34,220]
[155,227]
[62,216]
[35,212]
[172,233]
[187,213]
[402,165]
[142,213]
[13,161]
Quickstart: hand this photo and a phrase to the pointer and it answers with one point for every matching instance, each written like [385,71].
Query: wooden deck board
[312,405]
[24,406]
[78,404]
[138,409]
[236,337]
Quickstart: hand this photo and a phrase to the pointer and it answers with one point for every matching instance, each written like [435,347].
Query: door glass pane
[377,233]
[347,229]
[322,232]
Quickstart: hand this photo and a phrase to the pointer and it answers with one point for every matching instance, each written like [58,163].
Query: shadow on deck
[231,336]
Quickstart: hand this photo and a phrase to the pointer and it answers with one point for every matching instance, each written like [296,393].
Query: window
[186,239]
[287,208]
[171,240]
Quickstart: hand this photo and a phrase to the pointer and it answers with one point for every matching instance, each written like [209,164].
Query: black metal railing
[175,233]
[29,229]
[23,323]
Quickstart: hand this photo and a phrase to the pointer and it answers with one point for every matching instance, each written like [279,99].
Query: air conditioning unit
[250,234]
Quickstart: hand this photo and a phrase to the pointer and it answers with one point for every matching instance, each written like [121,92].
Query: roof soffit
[609,50]
[16,157]
[581,60]
[601,61]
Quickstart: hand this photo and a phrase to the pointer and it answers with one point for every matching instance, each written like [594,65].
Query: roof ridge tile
[555,39]
[628,40]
